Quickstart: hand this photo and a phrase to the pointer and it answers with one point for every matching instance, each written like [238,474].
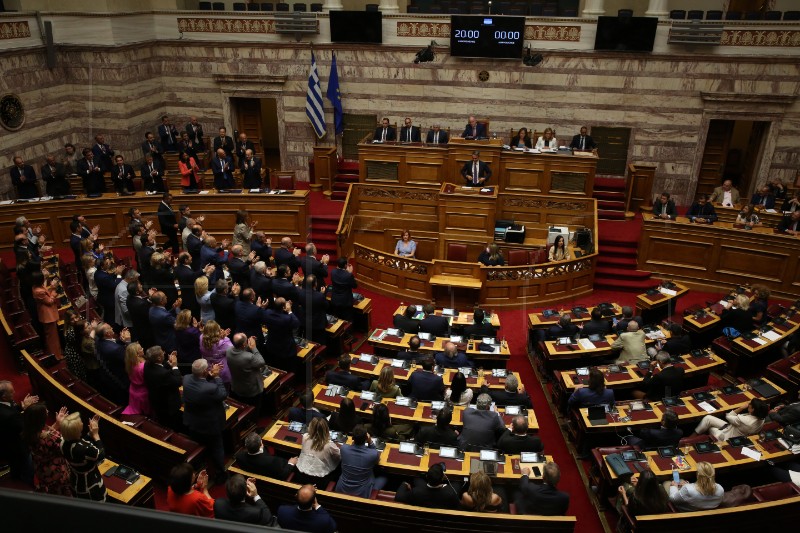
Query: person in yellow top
[559,250]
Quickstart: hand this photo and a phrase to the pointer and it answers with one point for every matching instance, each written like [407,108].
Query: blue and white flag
[314,110]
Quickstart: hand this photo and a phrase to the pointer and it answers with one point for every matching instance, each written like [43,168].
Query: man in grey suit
[204,410]
[121,314]
[481,426]
[246,364]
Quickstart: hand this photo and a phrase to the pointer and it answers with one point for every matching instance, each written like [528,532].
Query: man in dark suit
[122,176]
[191,148]
[168,223]
[342,282]
[479,327]
[312,310]
[440,434]
[168,134]
[433,491]
[425,385]
[186,278]
[433,324]
[152,172]
[358,463]
[250,314]
[764,198]
[583,141]
[194,245]
[287,255]
[481,425]
[254,458]
[450,357]
[151,147]
[597,325]
[413,353]
[24,179]
[139,309]
[262,246]
[384,132]
[210,255]
[476,173]
[312,265]
[204,397]
[250,166]
[668,434]
[512,394]
[243,503]
[474,129]
[790,224]
[107,277]
[162,322]
[242,146]
[343,376]
[163,381]
[283,284]
[281,349]
[785,414]
[668,380]
[223,142]
[627,316]
[260,281]
[222,167]
[111,353]
[306,410]
[516,440]
[409,133]
[195,131]
[542,499]
[664,207]
[406,322]
[103,153]
[564,328]
[54,176]
[436,135]
[12,448]
[224,301]
[91,174]
[307,514]
[239,265]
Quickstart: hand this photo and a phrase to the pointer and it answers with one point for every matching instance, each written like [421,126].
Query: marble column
[593,8]
[332,5]
[657,8]
[389,6]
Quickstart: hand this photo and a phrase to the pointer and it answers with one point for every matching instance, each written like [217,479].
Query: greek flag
[314,110]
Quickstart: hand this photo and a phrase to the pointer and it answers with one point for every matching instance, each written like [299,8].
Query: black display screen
[626,34]
[356,27]
[492,36]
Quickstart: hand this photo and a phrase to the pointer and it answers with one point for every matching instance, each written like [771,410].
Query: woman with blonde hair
[138,396]
[547,140]
[479,496]
[89,264]
[319,455]
[384,386]
[204,299]
[83,454]
[705,493]
[214,344]
[491,256]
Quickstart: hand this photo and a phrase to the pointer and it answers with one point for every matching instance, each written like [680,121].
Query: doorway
[732,152]
[258,118]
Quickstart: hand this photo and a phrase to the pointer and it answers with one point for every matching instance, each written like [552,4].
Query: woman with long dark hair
[74,327]
[645,495]
[559,250]
[345,419]
[459,393]
[382,426]
[49,465]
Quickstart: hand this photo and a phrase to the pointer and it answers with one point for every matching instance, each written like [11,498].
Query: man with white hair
[482,426]
[450,357]
[512,394]
[204,396]
[261,281]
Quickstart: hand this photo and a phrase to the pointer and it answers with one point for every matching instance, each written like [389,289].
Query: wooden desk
[370,371]
[539,321]
[463,318]
[656,307]
[380,340]
[137,494]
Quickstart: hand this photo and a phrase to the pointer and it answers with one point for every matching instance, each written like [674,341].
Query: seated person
[664,208]
[763,198]
[405,322]
[668,434]
[597,325]
[559,251]
[458,393]
[482,426]
[726,194]
[564,328]
[593,394]
[491,256]
[645,496]
[521,139]
[384,386]
[432,491]
[345,419]
[736,423]
[631,344]
[583,141]
[436,135]
[476,173]
[406,247]
[425,385]
[450,357]
[667,380]
[243,503]
[384,132]
[343,376]
[480,497]
[306,514]
[777,188]
[187,493]
[702,211]
[409,133]
[306,411]
[382,427]
[413,353]
[759,304]
[791,204]
[479,328]
[627,316]
[705,493]
[319,455]
[790,224]
[358,463]
[516,440]
[434,324]
[547,140]
[542,499]
[474,129]
[678,343]
[512,394]
[253,458]
[785,414]
[738,316]
[747,217]
[440,434]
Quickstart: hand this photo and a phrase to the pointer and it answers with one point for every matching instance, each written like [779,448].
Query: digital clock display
[489,36]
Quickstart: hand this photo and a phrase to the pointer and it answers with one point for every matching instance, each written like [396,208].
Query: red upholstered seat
[538,256]
[776,491]
[456,252]
[517,257]
[283,180]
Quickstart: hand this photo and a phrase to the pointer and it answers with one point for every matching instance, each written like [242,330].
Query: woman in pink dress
[138,397]
[214,344]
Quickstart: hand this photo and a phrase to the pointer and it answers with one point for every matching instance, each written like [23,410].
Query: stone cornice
[749,98]
[249,79]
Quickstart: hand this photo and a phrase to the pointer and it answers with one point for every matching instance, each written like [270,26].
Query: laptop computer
[597,415]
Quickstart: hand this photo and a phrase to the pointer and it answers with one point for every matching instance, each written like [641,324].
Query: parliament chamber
[653,115]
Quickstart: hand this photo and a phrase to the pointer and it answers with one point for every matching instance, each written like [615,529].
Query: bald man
[222,167]
[631,344]
[307,514]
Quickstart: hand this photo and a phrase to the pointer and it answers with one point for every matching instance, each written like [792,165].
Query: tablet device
[667,452]
[513,410]
[408,447]
[489,455]
[706,447]
[437,405]
[529,457]
[393,331]
[297,427]
[582,371]
[739,442]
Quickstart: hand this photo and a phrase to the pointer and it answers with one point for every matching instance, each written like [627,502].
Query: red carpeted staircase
[323,233]
[347,173]
[618,243]
[610,195]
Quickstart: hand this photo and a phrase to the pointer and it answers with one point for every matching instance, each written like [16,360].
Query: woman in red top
[190,178]
[187,493]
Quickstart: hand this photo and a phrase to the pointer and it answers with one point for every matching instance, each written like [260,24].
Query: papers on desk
[486,189]
[770,211]
[771,335]
[667,292]
[6,202]
[795,477]
[707,407]
[725,303]
[393,331]
[205,191]
[586,344]
[379,336]
[655,335]
[254,190]
[759,340]
[751,453]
